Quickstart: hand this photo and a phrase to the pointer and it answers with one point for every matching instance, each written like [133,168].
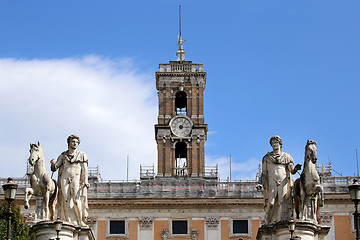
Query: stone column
[39,213]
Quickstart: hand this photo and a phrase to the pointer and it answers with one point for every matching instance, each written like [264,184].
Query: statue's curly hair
[276,138]
[73,136]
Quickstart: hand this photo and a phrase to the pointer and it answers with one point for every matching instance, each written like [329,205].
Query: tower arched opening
[181,159]
[180,103]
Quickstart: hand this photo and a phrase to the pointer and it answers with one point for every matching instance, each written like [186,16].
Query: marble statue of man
[72,183]
[276,178]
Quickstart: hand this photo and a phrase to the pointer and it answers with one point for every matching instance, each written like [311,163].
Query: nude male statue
[72,183]
[276,178]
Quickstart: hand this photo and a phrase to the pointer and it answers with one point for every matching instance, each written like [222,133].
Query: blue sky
[288,68]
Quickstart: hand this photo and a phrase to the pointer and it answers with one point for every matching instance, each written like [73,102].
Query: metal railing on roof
[211,172]
[147,172]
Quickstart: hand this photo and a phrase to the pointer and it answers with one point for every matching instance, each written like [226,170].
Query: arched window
[180,103]
[181,159]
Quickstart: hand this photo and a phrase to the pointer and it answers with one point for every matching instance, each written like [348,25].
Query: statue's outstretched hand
[53,167]
[297,167]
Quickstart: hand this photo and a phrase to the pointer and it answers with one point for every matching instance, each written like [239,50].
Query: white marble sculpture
[277,181]
[41,184]
[73,183]
[308,193]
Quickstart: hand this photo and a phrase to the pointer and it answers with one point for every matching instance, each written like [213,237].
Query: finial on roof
[180,52]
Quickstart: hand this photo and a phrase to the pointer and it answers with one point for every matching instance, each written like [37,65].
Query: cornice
[180,74]
[175,203]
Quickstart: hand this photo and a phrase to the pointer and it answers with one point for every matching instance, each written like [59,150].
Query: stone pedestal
[39,213]
[45,230]
[303,230]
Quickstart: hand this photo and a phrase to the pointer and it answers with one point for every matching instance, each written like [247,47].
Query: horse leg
[296,195]
[318,220]
[319,203]
[53,201]
[53,206]
[303,206]
[28,193]
[46,204]
[313,200]
[321,195]
[296,204]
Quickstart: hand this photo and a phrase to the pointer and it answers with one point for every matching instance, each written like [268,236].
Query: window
[179,227]
[117,227]
[240,227]
[180,103]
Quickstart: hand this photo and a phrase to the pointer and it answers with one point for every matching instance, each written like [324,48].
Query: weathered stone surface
[303,230]
[72,183]
[42,186]
[174,188]
[277,171]
[45,230]
[308,192]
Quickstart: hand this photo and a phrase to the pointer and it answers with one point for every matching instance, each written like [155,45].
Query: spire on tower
[180,52]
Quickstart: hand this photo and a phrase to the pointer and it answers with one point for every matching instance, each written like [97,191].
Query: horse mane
[38,148]
[308,143]
[36,145]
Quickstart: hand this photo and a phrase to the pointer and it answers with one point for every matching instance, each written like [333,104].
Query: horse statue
[308,193]
[41,183]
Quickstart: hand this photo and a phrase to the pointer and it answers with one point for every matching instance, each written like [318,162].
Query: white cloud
[109,104]
[239,170]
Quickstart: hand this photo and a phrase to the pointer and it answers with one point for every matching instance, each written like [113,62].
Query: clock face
[181,126]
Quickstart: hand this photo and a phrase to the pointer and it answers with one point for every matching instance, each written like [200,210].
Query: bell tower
[180,132]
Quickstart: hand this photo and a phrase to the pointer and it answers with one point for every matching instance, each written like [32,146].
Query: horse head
[311,151]
[35,153]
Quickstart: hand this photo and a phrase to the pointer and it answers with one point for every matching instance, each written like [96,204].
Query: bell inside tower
[181,159]
[180,103]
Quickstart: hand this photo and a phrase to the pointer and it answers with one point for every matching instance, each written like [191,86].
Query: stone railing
[336,184]
[21,182]
[174,188]
[182,187]
[181,67]
[337,181]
